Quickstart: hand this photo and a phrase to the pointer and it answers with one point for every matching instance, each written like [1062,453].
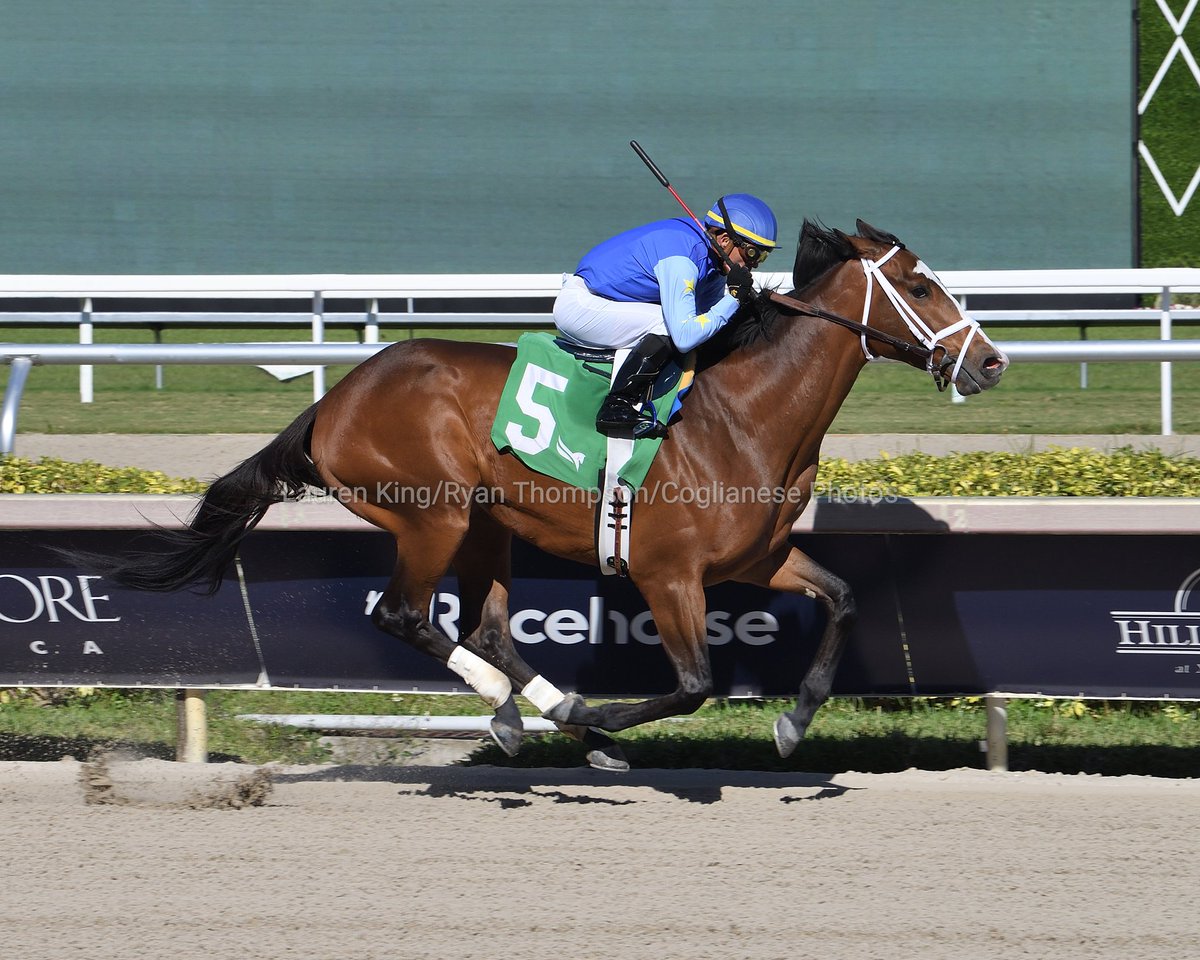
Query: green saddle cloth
[547,415]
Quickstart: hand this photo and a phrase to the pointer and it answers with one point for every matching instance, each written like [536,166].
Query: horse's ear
[873,233]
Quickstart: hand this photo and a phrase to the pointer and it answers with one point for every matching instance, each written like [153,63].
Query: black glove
[740,283]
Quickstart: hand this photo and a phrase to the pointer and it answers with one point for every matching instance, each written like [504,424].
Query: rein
[860,328]
[930,340]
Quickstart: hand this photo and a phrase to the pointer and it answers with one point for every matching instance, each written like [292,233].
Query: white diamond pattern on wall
[1178,50]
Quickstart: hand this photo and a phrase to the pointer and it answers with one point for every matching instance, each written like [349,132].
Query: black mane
[753,321]
[818,251]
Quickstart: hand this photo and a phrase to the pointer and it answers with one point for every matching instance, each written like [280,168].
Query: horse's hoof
[787,736]
[561,711]
[604,754]
[507,728]
[608,757]
[507,737]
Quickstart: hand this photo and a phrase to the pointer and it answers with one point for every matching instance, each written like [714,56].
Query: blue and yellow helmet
[750,218]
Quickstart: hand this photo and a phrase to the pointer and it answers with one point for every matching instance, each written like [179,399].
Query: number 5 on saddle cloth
[547,419]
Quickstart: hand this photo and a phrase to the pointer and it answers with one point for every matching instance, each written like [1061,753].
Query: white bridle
[928,337]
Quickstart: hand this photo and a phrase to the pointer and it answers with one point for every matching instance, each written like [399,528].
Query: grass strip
[1112,738]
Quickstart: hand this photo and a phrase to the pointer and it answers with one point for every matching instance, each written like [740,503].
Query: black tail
[199,554]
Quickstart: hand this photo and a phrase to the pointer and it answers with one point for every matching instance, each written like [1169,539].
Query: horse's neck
[780,396]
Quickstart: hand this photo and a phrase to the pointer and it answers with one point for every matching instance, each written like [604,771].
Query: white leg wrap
[543,694]
[484,679]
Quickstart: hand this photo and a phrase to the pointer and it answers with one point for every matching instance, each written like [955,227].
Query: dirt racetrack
[148,859]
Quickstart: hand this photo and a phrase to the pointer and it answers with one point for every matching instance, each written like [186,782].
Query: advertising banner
[939,614]
[1102,616]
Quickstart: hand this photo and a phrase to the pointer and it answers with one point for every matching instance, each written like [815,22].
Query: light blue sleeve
[677,278]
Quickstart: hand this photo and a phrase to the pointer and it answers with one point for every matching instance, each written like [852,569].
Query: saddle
[585,354]
[547,419]
[603,362]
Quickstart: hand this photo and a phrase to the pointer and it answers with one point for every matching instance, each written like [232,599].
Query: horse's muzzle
[977,375]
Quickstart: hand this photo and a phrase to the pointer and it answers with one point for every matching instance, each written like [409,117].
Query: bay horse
[419,415]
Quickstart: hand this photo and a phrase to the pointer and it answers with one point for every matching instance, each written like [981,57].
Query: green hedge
[49,475]
[1055,472]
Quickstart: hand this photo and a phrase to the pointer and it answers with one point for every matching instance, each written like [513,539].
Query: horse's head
[899,296]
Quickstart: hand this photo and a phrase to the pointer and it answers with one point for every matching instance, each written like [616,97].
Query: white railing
[316,289]
[21,358]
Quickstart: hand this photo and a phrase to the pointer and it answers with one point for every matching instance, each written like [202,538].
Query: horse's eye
[920,292]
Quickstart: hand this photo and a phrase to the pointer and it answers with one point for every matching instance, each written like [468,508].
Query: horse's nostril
[995,364]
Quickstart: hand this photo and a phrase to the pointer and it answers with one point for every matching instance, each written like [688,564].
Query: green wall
[248,136]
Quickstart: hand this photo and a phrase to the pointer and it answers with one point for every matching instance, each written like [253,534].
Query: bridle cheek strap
[928,337]
[870,267]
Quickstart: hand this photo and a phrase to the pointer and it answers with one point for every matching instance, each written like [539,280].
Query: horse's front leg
[792,571]
[679,611]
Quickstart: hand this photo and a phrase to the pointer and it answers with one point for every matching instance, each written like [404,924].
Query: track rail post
[191,730]
[87,378]
[1165,334]
[997,733]
[18,373]
[318,336]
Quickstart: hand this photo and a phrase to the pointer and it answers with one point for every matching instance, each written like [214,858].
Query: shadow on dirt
[523,787]
[868,754]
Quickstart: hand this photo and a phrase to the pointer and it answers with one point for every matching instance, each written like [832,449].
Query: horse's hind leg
[792,571]
[678,608]
[402,611]
[484,567]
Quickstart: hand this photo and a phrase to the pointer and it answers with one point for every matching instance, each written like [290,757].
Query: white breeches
[593,321]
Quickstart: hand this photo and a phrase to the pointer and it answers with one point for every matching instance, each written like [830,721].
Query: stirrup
[647,429]
[619,406]
[643,425]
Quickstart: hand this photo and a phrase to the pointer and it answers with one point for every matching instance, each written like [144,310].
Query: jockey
[661,286]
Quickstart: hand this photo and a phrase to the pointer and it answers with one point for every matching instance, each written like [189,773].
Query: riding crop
[721,255]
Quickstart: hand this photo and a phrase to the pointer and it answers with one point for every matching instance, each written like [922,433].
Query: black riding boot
[632,384]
